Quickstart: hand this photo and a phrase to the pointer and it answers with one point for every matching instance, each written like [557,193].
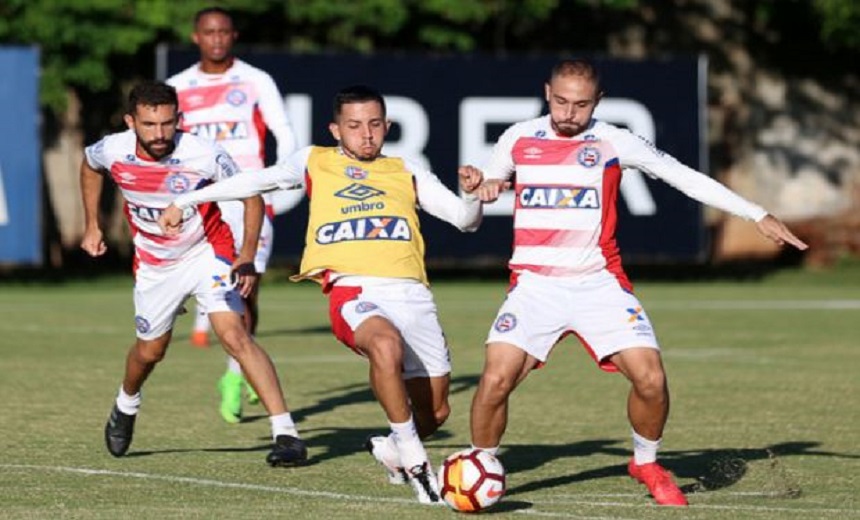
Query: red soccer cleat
[659,482]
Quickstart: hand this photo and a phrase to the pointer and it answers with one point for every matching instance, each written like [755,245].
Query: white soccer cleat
[382,450]
[425,484]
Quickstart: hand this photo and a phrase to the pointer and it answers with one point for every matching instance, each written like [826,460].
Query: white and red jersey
[148,187]
[234,108]
[567,188]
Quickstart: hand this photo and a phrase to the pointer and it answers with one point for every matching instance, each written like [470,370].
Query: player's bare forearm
[253,222]
[91,191]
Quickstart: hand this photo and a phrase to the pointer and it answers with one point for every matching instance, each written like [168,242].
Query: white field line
[366,498]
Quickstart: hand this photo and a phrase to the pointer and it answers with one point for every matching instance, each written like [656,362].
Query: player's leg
[505,367]
[429,398]
[260,372]
[613,325]
[232,383]
[158,296]
[648,409]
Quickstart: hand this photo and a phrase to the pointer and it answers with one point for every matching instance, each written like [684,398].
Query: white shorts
[233,213]
[410,307]
[159,292]
[540,310]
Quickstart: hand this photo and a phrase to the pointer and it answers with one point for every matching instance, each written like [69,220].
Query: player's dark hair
[151,94]
[356,94]
[577,67]
[211,10]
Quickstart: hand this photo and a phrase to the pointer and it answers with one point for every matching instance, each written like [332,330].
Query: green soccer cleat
[230,385]
[250,394]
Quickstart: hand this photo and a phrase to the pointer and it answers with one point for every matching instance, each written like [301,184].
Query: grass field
[765,420]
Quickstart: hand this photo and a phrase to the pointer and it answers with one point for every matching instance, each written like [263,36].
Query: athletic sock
[127,404]
[408,444]
[644,450]
[201,320]
[492,451]
[233,365]
[282,424]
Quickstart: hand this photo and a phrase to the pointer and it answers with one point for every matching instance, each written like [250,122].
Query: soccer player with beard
[566,267]
[151,163]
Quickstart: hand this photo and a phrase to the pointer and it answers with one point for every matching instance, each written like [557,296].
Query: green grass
[765,419]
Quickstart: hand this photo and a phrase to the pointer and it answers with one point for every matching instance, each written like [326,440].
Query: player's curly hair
[152,94]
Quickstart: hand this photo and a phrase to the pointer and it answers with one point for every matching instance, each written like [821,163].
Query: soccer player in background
[364,246]
[224,99]
[566,267]
[151,163]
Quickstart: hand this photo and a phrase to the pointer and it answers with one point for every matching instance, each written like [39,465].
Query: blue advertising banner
[449,110]
[20,171]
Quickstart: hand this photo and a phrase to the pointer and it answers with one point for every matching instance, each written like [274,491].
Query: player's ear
[387,126]
[335,131]
[179,117]
[546,92]
[129,121]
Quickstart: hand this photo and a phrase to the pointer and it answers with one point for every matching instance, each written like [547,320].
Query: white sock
[644,450]
[233,365]
[127,404]
[201,320]
[408,444]
[282,424]
[492,451]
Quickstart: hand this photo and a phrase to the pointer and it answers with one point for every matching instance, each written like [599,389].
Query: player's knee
[149,353]
[441,413]
[496,386]
[384,351]
[651,384]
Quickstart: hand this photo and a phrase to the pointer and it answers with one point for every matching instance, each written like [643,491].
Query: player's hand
[170,220]
[93,242]
[470,178]
[490,189]
[245,276]
[773,228]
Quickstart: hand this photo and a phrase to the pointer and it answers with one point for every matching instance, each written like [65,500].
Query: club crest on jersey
[356,191]
[142,324]
[356,173]
[177,183]
[236,97]
[364,307]
[366,228]
[505,323]
[588,156]
[540,134]
[558,197]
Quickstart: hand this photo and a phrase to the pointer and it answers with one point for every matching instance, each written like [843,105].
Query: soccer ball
[471,480]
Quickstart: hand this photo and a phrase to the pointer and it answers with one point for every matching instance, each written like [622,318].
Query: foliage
[90,45]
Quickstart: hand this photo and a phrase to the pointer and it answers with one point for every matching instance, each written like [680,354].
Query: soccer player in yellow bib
[364,246]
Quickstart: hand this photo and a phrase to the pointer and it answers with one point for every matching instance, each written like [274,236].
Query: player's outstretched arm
[91,191]
[773,228]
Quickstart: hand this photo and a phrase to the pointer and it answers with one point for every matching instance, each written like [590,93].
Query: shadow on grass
[711,469]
